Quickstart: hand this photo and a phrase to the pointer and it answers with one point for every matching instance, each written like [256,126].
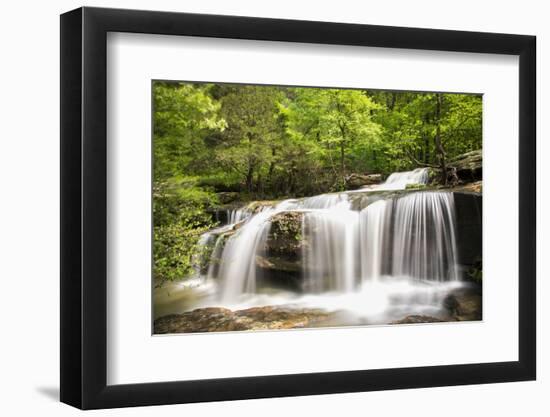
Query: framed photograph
[258,208]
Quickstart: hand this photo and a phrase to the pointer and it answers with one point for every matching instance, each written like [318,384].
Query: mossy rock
[257,206]
[469,166]
[417,319]
[464,304]
[416,187]
[217,319]
[285,235]
[355,181]
[281,264]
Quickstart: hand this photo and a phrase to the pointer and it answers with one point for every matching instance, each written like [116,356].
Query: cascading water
[329,259]
[236,216]
[424,242]
[238,271]
[400,180]
[374,238]
[199,260]
[238,262]
[345,250]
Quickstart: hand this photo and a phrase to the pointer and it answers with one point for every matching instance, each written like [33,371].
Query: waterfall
[329,259]
[374,222]
[325,201]
[400,180]
[424,244]
[215,255]
[238,265]
[238,271]
[202,257]
[236,216]
[401,236]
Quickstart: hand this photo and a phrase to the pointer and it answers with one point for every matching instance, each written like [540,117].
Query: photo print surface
[279,207]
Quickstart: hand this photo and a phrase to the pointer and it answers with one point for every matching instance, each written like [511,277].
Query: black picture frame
[84,207]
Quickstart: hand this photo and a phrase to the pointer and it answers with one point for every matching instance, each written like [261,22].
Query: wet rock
[257,206]
[238,225]
[285,235]
[276,263]
[227,197]
[415,319]
[469,228]
[279,264]
[200,320]
[468,166]
[464,304]
[416,187]
[473,187]
[355,181]
[216,319]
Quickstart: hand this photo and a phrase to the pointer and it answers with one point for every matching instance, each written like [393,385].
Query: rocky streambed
[461,304]
[217,319]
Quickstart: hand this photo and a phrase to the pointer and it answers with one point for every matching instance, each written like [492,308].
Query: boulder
[464,304]
[468,166]
[472,187]
[257,206]
[226,197]
[285,235]
[216,319]
[280,262]
[416,318]
[469,215]
[277,263]
[355,181]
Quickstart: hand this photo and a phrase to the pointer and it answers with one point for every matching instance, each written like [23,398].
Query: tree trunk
[259,184]
[250,178]
[250,170]
[343,154]
[271,167]
[438,144]
[393,99]
[342,162]
[426,149]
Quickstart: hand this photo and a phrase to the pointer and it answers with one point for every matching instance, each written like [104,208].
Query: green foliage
[415,186]
[475,273]
[411,122]
[183,115]
[221,181]
[249,143]
[336,124]
[179,219]
[268,142]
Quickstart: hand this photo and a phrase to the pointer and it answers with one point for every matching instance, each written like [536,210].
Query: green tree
[336,120]
[428,129]
[251,116]
[183,115]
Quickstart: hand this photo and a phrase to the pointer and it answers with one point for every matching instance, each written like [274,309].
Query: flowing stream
[397,255]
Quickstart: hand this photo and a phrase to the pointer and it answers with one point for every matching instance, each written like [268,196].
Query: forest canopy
[270,142]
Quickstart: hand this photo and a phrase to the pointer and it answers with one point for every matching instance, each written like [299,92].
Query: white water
[410,236]
[424,243]
[329,260]
[398,251]
[236,216]
[400,180]
[238,271]
[374,222]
